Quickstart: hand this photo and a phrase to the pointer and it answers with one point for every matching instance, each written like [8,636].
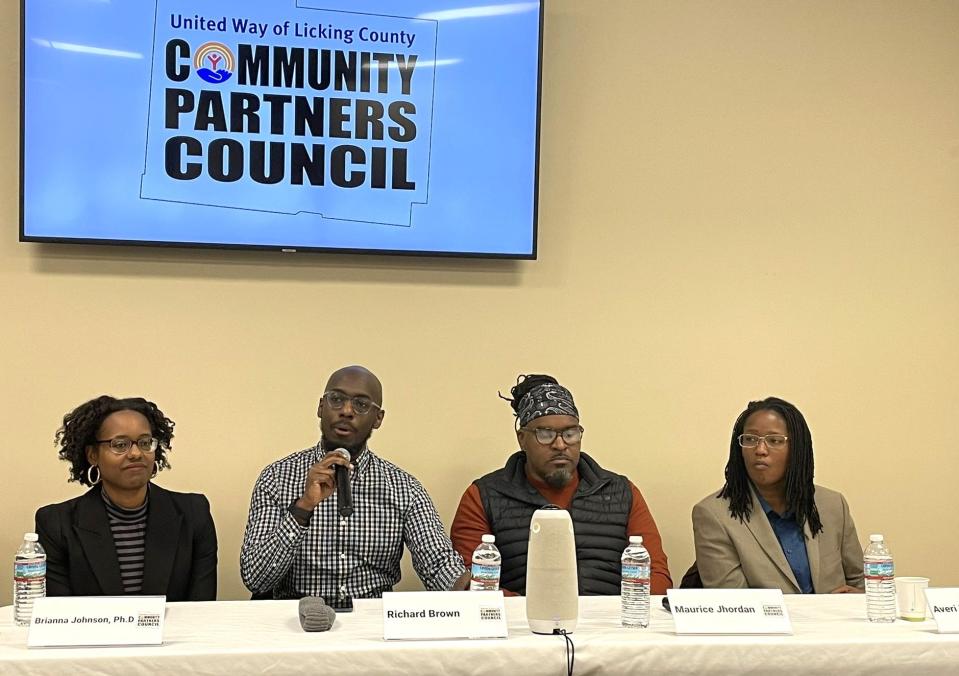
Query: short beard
[354,449]
[558,478]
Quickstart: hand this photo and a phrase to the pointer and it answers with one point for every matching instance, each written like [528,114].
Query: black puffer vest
[599,510]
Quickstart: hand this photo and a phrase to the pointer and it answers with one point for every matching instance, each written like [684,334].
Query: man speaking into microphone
[301,542]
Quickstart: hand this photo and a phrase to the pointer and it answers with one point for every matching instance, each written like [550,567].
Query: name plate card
[412,616]
[944,604]
[729,611]
[80,621]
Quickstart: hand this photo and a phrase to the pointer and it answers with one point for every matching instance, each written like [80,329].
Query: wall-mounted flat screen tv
[392,126]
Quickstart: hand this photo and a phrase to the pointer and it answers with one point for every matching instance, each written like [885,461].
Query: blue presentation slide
[360,125]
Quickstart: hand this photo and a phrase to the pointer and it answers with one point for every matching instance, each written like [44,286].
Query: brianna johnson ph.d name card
[729,611]
[80,621]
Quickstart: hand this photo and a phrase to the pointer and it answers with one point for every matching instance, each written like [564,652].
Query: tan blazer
[732,555]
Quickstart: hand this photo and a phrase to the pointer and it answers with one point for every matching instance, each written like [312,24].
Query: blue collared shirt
[793,541]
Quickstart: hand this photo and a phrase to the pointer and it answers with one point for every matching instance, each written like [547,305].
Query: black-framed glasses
[772,441]
[122,445]
[547,435]
[360,405]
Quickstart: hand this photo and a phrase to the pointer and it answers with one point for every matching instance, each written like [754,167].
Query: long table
[830,636]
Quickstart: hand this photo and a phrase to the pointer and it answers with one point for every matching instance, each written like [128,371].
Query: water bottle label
[481,572]
[29,569]
[879,570]
[633,573]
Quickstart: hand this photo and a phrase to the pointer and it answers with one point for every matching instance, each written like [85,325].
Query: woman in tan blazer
[770,526]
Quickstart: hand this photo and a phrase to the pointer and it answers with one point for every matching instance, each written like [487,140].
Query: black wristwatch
[301,515]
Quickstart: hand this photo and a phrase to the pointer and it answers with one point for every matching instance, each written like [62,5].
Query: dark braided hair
[80,427]
[524,384]
[800,491]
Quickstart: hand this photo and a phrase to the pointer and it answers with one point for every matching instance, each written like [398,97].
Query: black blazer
[180,543]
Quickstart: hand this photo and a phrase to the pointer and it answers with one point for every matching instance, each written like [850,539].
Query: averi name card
[944,604]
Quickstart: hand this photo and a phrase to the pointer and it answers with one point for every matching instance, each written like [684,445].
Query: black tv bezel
[292,248]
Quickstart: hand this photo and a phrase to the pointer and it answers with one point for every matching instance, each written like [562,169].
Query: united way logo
[214,62]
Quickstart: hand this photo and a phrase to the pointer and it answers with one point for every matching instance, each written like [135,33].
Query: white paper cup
[910,597]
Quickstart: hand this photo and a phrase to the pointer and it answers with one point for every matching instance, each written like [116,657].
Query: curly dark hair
[80,428]
[800,491]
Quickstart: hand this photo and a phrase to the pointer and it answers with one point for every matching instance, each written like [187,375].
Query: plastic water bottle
[635,584]
[29,578]
[880,584]
[487,564]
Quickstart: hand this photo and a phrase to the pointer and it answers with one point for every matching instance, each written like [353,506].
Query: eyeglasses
[547,435]
[122,445]
[360,405]
[773,441]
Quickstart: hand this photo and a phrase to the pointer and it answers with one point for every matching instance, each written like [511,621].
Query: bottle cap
[30,537]
[635,539]
[876,537]
[489,538]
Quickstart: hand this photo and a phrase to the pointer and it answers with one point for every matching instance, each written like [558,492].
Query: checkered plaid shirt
[336,556]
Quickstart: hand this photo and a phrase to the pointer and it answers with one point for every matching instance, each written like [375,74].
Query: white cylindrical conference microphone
[552,587]
[315,615]
[344,494]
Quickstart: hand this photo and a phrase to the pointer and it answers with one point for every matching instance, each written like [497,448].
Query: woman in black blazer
[125,535]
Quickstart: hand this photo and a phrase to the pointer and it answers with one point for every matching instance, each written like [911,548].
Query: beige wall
[737,199]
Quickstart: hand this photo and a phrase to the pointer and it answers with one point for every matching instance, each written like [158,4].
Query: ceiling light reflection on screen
[480,11]
[87,49]
[419,64]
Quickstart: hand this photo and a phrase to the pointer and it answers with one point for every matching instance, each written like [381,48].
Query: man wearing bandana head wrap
[606,508]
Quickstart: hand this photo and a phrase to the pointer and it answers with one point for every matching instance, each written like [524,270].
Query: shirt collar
[769,510]
[543,486]
[363,461]
[126,510]
[359,464]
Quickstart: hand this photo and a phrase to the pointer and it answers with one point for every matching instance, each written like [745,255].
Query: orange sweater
[470,524]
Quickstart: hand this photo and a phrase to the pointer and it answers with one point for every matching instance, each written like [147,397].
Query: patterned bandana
[548,399]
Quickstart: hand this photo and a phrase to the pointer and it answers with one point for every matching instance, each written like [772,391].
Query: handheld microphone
[344,494]
[315,615]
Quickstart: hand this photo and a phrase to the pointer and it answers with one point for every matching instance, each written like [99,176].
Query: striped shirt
[334,557]
[129,527]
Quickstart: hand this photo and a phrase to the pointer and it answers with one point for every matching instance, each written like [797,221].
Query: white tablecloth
[830,636]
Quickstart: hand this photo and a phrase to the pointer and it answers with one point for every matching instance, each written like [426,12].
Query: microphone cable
[570,650]
[344,600]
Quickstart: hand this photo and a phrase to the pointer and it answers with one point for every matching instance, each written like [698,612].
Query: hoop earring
[90,475]
[156,469]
